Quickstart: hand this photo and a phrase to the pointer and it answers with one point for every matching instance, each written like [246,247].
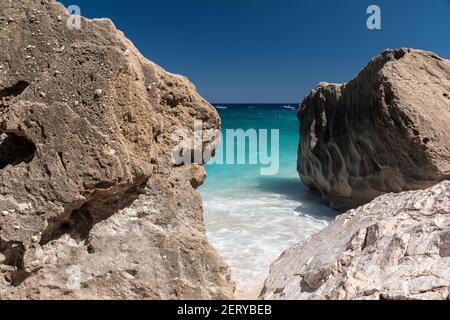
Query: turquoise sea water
[251,219]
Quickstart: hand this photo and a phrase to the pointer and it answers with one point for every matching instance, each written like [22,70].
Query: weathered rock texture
[387,130]
[91,206]
[396,247]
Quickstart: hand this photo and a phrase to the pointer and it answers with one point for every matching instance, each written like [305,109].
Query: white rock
[35,263]
[24,207]
[389,249]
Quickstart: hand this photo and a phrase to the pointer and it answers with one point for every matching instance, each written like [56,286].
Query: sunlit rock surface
[91,206]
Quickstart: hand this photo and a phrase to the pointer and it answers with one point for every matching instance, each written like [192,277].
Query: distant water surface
[251,219]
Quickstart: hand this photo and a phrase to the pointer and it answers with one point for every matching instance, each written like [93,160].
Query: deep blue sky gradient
[266,51]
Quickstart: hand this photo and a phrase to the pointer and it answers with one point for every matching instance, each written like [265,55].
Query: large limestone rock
[396,247]
[387,130]
[91,206]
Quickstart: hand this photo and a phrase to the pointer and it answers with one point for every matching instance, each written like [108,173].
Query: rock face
[396,247]
[91,206]
[387,130]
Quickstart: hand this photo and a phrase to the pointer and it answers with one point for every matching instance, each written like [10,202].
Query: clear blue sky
[271,50]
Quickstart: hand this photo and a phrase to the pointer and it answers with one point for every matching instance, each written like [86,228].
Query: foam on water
[251,233]
[251,219]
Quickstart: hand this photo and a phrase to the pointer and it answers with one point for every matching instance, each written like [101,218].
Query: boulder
[91,205]
[387,130]
[396,247]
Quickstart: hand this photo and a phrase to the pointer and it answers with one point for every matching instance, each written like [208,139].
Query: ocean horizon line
[253,103]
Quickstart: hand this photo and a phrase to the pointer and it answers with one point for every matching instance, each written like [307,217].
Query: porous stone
[80,221]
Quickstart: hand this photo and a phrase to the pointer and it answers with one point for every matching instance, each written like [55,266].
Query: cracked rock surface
[91,206]
[396,247]
[385,131]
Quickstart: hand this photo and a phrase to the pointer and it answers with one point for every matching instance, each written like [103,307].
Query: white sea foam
[251,232]
[251,219]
